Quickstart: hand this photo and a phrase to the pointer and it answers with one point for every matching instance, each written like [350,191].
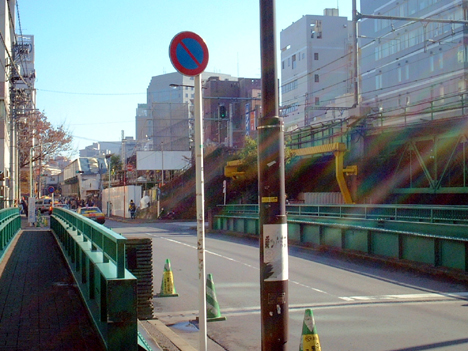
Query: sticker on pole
[275,251]
[188,53]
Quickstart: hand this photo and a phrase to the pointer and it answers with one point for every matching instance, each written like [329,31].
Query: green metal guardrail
[10,225]
[96,256]
[417,213]
[375,230]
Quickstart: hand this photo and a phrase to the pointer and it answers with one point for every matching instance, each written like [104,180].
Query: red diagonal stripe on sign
[189,52]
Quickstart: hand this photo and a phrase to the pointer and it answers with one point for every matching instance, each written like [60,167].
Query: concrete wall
[120,197]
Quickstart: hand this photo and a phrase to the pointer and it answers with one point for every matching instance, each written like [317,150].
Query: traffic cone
[167,284]
[310,339]
[213,313]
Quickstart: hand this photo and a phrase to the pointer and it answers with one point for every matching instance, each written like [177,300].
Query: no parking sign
[188,53]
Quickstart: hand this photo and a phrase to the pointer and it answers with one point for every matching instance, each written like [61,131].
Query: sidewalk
[40,306]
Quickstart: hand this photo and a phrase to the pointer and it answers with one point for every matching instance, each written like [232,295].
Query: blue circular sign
[51,189]
[188,53]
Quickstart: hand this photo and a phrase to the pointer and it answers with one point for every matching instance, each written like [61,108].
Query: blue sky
[95,59]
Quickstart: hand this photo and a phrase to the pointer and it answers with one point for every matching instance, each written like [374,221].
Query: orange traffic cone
[310,339]
[167,284]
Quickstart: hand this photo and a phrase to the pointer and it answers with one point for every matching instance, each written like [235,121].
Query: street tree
[115,163]
[51,141]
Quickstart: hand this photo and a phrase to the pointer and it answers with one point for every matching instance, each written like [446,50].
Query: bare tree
[53,140]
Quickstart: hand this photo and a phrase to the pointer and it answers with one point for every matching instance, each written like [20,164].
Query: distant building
[170,110]
[128,149]
[316,67]
[413,71]
[102,148]
[230,108]
[143,128]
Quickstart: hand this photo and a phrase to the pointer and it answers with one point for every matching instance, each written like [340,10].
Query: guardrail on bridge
[10,225]
[96,256]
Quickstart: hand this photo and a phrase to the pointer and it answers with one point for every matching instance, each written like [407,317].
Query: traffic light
[222,111]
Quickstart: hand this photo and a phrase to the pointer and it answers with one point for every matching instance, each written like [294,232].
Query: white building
[316,67]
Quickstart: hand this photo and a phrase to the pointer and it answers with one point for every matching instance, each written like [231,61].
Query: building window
[378,81]
[317,101]
[441,60]
[293,61]
[303,56]
[289,87]
[289,61]
[442,94]
[412,6]
[282,65]
[316,78]
[407,72]
[312,30]
[431,63]
[461,54]
[399,74]
[318,29]
[316,56]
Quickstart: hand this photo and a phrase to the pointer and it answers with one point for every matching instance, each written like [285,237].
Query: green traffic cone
[213,313]
[167,284]
[310,339]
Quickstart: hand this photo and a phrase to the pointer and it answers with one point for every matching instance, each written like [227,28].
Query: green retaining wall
[435,250]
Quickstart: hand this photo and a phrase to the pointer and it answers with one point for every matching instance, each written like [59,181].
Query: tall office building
[170,110]
[316,66]
[413,71]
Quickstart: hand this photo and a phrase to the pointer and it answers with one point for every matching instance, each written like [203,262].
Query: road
[357,305]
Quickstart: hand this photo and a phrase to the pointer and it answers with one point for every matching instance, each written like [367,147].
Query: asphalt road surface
[357,305]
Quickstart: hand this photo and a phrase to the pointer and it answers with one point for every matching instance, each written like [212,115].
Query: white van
[43,205]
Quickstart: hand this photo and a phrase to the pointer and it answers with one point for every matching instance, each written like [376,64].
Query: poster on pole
[275,248]
[31,210]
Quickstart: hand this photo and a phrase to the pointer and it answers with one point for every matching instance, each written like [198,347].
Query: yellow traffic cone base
[310,339]
[167,284]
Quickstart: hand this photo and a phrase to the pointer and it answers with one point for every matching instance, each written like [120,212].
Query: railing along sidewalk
[10,225]
[96,256]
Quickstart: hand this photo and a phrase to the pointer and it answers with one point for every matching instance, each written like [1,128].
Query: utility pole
[273,226]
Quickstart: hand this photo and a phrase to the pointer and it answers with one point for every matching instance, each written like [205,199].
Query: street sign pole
[271,188]
[189,55]
[200,197]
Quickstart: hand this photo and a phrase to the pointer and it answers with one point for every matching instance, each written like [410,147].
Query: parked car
[43,204]
[93,213]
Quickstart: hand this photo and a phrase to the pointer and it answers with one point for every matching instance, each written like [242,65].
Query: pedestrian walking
[132,209]
[25,206]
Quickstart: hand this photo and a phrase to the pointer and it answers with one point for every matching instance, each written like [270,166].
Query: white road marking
[403,297]
[349,302]
[376,298]
[212,253]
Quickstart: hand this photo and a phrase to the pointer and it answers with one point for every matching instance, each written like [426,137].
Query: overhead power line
[92,94]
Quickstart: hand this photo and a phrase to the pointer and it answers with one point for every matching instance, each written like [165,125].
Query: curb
[175,339]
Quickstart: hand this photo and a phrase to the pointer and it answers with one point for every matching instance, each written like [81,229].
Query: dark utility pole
[273,227]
